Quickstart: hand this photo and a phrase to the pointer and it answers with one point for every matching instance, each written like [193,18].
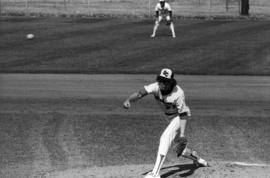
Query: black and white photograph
[134,88]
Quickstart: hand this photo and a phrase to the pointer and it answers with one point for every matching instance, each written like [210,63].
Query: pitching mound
[217,170]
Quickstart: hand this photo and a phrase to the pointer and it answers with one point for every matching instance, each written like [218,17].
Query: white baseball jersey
[171,104]
[165,10]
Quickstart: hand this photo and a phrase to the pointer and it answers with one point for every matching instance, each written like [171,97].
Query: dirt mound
[217,170]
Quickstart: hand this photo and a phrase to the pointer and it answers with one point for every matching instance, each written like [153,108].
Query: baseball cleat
[174,36]
[152,36]
[201,163]
[152,175]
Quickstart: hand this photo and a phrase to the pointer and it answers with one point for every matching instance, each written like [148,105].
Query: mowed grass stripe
[141,50]
[197,54]
[53,30]
[164,50]
[71,44]
[121,46]
[15,24]
[242,45]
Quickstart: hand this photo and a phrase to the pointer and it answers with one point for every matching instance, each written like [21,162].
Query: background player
[172,100]
[163,10]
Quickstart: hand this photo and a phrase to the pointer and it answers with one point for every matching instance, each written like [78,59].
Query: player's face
[162,4]
[164,87]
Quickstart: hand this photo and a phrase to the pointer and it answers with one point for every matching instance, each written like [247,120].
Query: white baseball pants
[166,140]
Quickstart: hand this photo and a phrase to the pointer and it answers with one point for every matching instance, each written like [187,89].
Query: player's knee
[156,22]
[194,153]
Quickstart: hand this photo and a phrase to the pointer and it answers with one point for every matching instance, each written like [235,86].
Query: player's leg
[170,23]
[193,155]
[166,140]
[182,150]
[158,20]
[172,29]
[181,144]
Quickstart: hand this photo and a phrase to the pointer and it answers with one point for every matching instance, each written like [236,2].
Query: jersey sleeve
[151,88]
[157,7]
[181,105]
[169,7]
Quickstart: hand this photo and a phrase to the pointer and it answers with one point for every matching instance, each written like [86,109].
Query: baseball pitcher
[171,98]
[163,11]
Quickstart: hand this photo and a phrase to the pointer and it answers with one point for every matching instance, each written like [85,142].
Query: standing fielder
[163,10]
[172,100]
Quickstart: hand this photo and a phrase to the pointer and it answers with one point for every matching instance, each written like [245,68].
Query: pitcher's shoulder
[179,90]
[176,93]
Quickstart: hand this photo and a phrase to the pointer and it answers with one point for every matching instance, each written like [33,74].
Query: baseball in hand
[30,36]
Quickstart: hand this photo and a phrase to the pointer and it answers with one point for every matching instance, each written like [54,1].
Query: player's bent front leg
[182,150]
[193,155]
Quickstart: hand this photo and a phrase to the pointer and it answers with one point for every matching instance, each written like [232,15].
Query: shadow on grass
[187,169]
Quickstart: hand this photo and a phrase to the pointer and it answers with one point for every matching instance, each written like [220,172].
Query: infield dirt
[75,126]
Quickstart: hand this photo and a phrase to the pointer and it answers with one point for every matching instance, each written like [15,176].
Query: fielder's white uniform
[163,12]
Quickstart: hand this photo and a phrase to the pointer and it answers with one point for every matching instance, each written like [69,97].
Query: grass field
[61,97]
[77,45]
